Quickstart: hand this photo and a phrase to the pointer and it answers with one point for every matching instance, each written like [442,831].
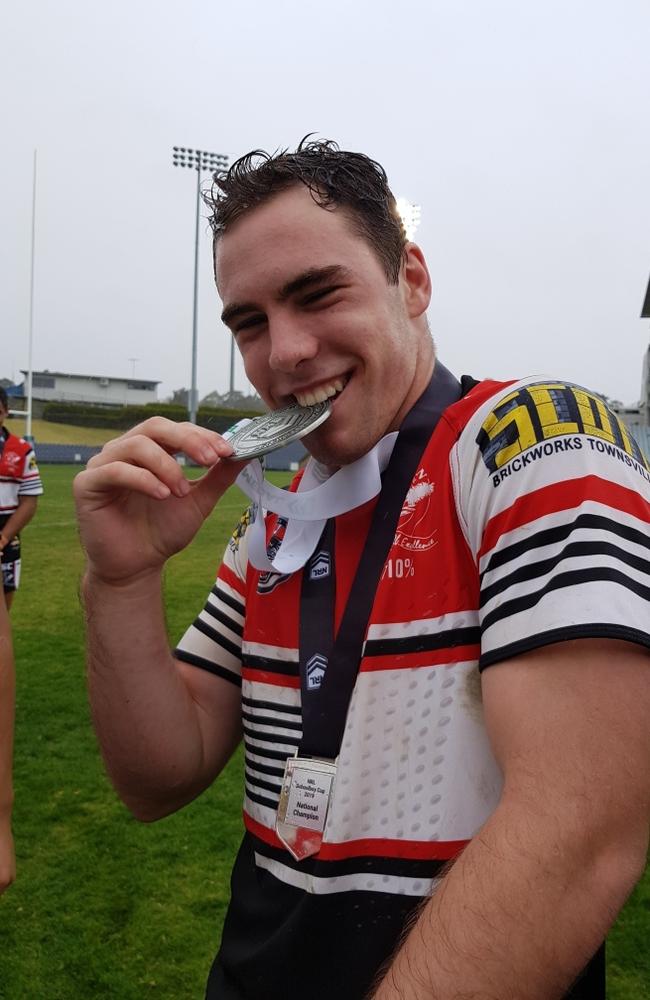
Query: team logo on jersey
[320,566]
[268,581]
[32,463]
[415,531]
[549,417]
[316,667]
[12,461]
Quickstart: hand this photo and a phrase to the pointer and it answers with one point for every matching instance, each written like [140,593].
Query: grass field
[45,432]
[104,906]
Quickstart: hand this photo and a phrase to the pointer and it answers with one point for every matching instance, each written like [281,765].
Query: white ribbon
[308,509]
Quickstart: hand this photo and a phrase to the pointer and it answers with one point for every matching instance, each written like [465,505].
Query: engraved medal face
[274,430]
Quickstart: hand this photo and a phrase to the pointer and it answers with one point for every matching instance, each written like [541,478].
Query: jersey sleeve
[553,496]
[30,484]
[213,641]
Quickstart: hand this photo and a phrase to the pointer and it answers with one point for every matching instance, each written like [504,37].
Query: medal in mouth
[276,429]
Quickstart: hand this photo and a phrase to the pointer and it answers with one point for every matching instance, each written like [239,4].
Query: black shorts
[11,566]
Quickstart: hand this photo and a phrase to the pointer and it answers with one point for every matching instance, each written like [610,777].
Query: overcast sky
[521,129]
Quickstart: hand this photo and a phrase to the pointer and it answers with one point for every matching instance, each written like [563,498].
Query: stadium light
[410,215]
[199,160]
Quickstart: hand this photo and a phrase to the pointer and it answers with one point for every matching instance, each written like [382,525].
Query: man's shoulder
[16,443]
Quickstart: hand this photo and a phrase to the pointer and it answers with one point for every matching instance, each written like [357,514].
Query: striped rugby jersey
[19,475]
[526,523]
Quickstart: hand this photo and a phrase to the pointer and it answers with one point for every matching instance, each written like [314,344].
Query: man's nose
[291,343]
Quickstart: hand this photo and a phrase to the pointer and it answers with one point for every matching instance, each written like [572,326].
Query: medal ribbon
[328,666]
[309,509]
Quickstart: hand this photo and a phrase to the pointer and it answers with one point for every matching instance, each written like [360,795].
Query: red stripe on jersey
[227,575]
[424,850]
[559,497]
[265,677]
[418,850]
[426,658]
[262,832]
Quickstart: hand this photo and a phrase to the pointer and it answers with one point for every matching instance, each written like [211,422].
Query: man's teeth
[319,394]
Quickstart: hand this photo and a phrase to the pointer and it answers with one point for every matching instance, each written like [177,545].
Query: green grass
[46,432]
[104,906]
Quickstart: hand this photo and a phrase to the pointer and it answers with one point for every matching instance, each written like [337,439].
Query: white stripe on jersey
[361,882]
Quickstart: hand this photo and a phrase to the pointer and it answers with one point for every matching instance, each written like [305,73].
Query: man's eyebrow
[312,277]
[237,309]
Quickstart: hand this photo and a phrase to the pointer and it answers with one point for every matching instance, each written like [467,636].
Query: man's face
[314,317]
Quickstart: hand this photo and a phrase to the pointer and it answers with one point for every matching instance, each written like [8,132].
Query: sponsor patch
[548,417]
[245,520]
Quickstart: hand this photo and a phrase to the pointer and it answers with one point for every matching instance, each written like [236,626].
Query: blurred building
[103,390]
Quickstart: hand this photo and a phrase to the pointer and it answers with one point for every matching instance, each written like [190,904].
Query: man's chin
[334,451]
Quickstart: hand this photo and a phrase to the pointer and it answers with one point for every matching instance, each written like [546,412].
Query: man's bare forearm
[518,916]
[21,516]
[146,721]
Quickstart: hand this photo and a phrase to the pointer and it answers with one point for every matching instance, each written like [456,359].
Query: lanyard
[329,665]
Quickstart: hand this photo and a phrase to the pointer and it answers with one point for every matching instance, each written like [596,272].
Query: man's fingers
[198,443]
[147,454]
[115,477]
[208,490]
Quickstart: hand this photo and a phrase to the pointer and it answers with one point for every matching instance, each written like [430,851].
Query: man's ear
[416,281]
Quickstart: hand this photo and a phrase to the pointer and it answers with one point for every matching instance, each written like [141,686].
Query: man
[507,546]
[20,487]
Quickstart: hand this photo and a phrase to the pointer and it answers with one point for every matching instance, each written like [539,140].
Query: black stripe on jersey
[232,602]
[424,643]
[217,637]
[370,865]
[262,800]
[273,739]
[590,630]
[559,582]
[267,754]
[574,550]
[276,772]
[274,787]
[550,536]
[213,668]
[222,617]
[275,705]
[267,720]
[287,668]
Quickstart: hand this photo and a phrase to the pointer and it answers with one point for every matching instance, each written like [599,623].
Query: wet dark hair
[333,177]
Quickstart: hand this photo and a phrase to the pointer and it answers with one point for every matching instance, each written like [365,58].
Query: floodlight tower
[410,215]
[199,160]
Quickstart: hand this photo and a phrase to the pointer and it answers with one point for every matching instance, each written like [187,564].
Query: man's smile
[319,393]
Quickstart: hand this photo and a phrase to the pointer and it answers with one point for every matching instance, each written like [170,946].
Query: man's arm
[533,895]
[7,699]
[165,729]
[22,515]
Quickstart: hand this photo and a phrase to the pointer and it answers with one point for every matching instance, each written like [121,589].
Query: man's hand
[136,508]
[7,855]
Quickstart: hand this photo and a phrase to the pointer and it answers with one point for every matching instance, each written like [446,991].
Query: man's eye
[248,324]
[320,294]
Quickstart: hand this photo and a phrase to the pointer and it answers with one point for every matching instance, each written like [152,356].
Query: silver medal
[274,430]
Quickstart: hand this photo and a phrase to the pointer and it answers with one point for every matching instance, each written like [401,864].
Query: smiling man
[439,658]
